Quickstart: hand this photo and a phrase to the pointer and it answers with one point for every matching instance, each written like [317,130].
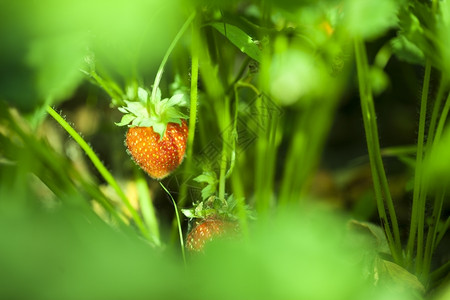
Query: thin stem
[435,114]
[432,232]
[180,233]
[108,86]
[442,120]
[168,52]
[147,209]
[442,232]
[192,115]
[194,96]
[225,121]
[419,194]
[239,75]
[379,176]
[441,272]
[101,168]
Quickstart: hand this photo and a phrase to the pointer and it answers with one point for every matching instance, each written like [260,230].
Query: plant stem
[435,114]
[224,122]
[147,209]
[101,168]
[108,86]
[168,52]
[419,194]
[442,232]
[180,233]
[194,96]
[381,186]
[442,120]
[432,233]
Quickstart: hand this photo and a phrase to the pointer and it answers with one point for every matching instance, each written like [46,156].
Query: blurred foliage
[44,44]
[279,130]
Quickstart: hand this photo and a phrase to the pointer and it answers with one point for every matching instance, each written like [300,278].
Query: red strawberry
[157,136]
[158,157]
[208,229]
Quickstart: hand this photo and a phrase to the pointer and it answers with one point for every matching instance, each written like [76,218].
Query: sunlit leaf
[370,18]
[397,277]
[240,39]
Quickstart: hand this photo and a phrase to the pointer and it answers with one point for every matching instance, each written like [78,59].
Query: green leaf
[208,191]
[370,18]
[240,39]
[397,277]
[159,128]
[373,234]
[126,119]
[207,177]
[142,95]
[437,164]
[178,99]
[407,50]
[417,35]
[379,80]
[189,213]
[136,108]
[210,178]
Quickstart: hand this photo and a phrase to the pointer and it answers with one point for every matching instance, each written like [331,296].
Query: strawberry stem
[166,57]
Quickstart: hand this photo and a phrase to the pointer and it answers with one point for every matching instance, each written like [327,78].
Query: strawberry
[158,157]
[212,218]
[157,134]
[208,229]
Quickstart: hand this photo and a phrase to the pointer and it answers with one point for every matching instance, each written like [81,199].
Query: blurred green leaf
[379,80]
[397,277]
[416,38]
[407,51]
[240,39]
[370,18]
[437,163]
[444,35]
[57,61]
[44,44]
[210,178]
[375,235]
[296,75]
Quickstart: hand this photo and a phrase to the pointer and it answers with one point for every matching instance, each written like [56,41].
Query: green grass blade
[101,168]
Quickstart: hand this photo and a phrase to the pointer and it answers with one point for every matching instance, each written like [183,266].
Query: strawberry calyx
[213,207]
[143,110]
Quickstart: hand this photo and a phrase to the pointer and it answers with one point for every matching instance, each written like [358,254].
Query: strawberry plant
[295,149]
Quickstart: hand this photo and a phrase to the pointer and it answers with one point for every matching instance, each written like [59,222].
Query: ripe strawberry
[157,136]
[208,229]
[158,157]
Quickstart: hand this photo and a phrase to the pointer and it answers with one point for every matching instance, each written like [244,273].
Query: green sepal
[143,111]
[126,119]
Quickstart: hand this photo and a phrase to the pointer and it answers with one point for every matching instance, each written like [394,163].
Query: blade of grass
[419,194]
[177,214]
[442,232]
[147,209]
[168,52]
[381,187]
[224,121]
[432,233]
[101,168]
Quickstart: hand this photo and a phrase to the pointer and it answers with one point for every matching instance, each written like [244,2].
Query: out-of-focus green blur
[68,253]
[57,241]
[44,44]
